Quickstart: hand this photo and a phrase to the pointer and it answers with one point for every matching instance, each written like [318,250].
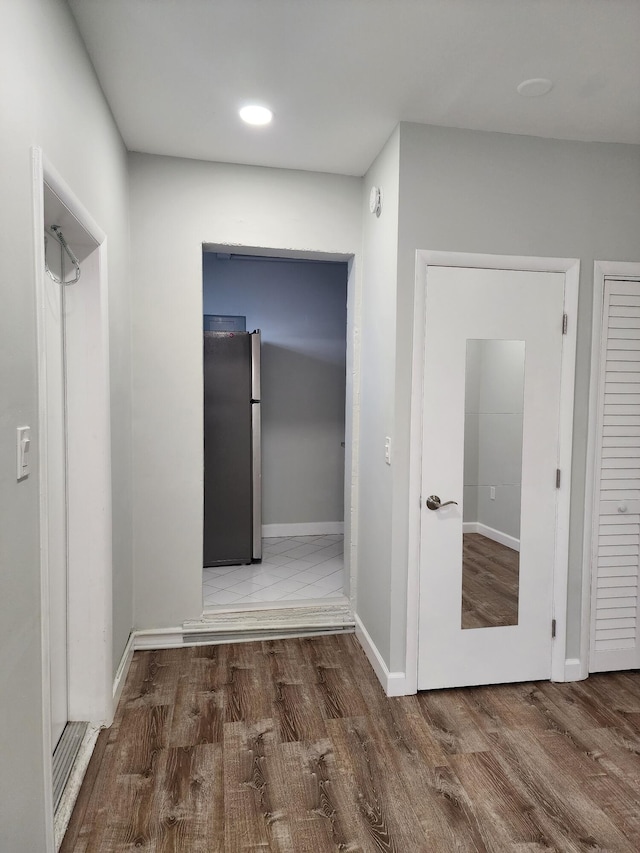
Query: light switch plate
[23,448]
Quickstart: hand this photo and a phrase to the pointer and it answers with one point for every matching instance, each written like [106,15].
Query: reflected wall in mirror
[494,395]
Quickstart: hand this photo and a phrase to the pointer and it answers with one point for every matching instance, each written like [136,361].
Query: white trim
[615,269]
[90,601]
[571,268]
[590,487]
[475,260]
[277,252]
[352,385]
[415,478]
[601,270]
[573,670]
[393,683]
[304,528]
[37,178]
[157,638]
[352,427]
[491,533]
[565,456]
[123,670]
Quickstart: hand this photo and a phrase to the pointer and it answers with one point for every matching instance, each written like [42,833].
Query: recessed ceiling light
[535,87]
[255,114]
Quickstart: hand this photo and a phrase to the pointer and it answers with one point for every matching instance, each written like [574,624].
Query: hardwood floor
[490,574]
[291,746]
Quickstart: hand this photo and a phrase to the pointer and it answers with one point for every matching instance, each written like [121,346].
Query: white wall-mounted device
[23,446]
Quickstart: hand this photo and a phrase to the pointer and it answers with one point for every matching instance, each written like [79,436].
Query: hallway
[291,746]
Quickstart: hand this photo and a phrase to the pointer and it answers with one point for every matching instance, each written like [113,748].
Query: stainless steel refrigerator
[232,465]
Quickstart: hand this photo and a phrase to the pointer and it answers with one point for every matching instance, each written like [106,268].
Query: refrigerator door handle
[255,366]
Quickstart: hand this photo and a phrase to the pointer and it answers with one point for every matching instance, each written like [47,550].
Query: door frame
[626,271]
[561,669]
[351,425]
[89,596]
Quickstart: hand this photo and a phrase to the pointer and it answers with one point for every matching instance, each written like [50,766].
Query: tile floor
[292,568]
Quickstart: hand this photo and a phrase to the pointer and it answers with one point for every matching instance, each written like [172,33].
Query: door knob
[433,502]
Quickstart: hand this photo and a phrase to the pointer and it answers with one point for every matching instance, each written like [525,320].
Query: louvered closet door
[615,642]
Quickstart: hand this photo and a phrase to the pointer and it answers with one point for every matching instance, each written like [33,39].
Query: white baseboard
[123,669]
[393,683]
[573,670]
[305,528]
[491,533]
[157,638]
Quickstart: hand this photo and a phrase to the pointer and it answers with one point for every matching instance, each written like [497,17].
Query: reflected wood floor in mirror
[489,583]
[291,746]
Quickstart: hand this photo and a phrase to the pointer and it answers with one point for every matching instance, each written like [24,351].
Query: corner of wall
[393,683]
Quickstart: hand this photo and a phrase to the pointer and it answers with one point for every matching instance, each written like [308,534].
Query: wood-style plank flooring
[490,573]
[291,746]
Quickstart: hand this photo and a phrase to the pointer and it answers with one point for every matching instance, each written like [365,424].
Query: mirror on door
[494,395]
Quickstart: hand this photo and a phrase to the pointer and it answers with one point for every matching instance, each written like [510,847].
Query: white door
[616,544]
[56,494]
[522,312]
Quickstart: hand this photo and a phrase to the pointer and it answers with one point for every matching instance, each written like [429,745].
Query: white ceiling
[340,74]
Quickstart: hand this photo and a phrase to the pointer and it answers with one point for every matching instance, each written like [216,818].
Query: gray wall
[472,191]
[49,96]
[301,309]
[494,392]
[375,588]
[176,206]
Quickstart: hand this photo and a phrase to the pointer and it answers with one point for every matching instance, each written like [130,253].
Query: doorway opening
[302,406]
[74,475]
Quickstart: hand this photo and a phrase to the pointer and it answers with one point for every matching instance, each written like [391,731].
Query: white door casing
[614,549]
[352,410]
[561,669]
[56,439]
[88,467]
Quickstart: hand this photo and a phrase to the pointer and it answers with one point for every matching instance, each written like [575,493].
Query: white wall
[176,206]
[471,191]
[494,392]
[49,97]
[301,309]
[376,580]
